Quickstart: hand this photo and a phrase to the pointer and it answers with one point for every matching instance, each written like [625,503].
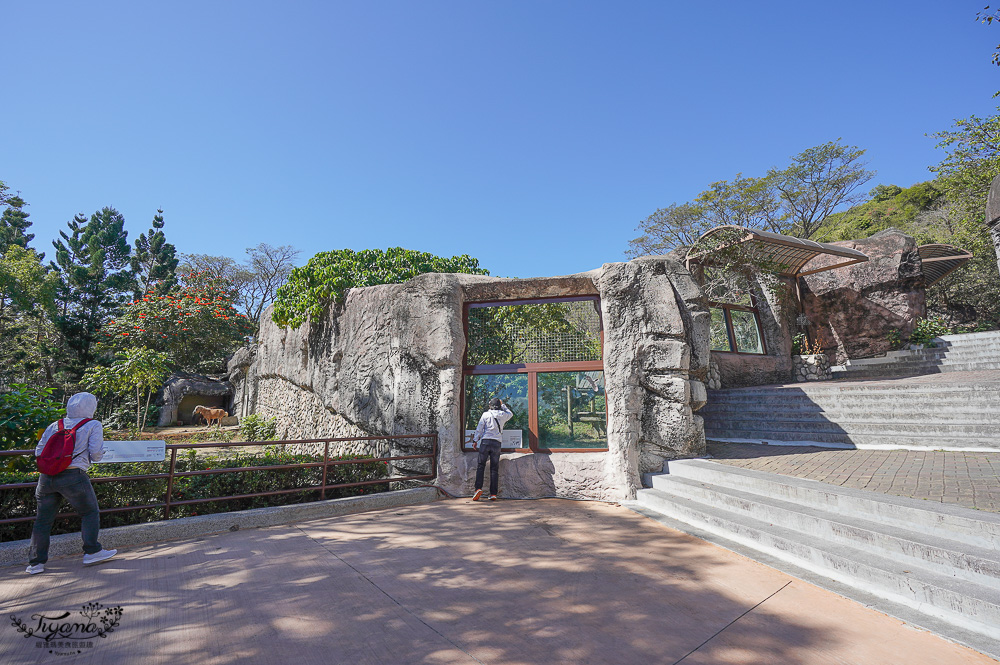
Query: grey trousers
[73,485]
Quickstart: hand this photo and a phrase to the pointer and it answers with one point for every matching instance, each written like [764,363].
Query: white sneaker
[34,570]
[97,557]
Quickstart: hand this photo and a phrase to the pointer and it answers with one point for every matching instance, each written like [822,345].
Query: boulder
[853,309]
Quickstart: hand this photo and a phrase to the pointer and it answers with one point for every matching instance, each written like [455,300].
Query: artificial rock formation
[993,215]
[182,392]
[388,360]
[853,309]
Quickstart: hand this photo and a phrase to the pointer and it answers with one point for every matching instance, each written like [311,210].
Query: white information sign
[511,439]
[134,451]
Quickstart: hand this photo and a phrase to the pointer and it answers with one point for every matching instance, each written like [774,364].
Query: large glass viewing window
[544,358]
[735,321]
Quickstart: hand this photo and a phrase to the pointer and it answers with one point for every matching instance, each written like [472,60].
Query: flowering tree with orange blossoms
[196,325]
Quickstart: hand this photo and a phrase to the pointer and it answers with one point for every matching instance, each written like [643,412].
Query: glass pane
[511,388]
[572,410]
[535,333]
[746,332]
[720,336]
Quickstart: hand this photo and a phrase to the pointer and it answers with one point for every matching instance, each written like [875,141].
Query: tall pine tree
[14,224]
[154,260]
[96,279]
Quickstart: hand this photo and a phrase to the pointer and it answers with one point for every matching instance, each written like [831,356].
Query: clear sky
[531,134]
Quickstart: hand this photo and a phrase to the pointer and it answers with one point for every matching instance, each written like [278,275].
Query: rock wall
[853,309]
[993,215]
[181,385]
[389,361]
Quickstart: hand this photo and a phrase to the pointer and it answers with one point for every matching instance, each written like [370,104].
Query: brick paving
[967,479]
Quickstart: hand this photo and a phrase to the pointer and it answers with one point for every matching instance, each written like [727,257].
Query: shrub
[24,413]
[927,329]
[255,427]
[328,275]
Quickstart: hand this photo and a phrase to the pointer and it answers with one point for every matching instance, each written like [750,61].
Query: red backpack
[58,450]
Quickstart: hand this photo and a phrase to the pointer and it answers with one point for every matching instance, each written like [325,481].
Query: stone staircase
[933,565]
[952,353]
[946,415]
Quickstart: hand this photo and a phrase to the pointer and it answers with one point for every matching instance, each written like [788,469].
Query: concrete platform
[968,479]
[547,581]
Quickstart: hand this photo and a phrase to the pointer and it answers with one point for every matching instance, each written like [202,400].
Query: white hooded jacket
[89,438]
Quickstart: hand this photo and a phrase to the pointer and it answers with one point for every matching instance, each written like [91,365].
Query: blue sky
[532,135]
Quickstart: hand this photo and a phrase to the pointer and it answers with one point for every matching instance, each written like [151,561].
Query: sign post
[134,451]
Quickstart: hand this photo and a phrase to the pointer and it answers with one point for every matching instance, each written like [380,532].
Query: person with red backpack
[63,454]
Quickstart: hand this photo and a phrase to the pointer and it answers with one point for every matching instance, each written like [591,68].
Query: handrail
[170,502]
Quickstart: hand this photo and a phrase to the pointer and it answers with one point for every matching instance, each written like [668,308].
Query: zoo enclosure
[169,503]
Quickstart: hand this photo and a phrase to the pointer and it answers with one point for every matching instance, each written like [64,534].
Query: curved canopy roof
[939,261]
[792,254]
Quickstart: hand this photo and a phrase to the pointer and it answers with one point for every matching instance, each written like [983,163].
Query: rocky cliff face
[993,215]
[389,361]
[853,309]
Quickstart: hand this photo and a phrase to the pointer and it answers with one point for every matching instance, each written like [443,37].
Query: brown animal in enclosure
[211,414]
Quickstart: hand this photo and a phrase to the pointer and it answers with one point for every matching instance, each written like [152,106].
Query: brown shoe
[478,495]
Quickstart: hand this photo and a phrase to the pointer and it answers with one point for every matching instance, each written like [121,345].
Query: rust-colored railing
[172,448]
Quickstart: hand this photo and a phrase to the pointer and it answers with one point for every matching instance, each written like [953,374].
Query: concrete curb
[68,544]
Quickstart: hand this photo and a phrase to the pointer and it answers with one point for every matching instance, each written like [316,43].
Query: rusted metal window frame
[532,370]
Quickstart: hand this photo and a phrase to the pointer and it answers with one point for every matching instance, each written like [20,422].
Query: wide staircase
[933,565]
[954,412]
[950,353]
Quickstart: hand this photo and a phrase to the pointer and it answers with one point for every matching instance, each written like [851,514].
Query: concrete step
[884,426]
[870,441]
[978,529]
[906,411]
[948,557]
[961,338]
[957,601]
[940,561]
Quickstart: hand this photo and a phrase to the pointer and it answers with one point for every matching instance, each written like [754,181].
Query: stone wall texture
[993,215]
[853,309]
[388,360]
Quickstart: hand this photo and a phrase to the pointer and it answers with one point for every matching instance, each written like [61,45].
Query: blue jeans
[74,485]
[489,449]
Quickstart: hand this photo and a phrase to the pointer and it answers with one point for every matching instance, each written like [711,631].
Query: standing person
[487,440]
[73,484]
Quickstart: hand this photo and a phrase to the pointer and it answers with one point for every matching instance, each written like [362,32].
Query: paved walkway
[454,582]
[971,480]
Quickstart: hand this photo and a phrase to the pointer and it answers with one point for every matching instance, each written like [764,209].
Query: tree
[138,368]
[14,224]
[96,279]
[27,304]
[195,326]
[328,275]
[269,268]
[791,201]
[818,181]
[154,259]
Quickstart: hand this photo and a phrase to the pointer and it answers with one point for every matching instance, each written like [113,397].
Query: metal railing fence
[169,502]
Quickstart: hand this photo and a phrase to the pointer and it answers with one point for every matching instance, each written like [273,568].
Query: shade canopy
[938,261]
[792,254]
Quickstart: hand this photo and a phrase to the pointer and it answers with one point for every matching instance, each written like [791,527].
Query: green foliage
[927,329]
[93,261]
[196,326]
[24,413]
[128,493]
[14,225]
[256,427]
[801,346]
[154,260]
[895,339]
[27,304]
[916,210]
[139,368]
[328,275]
[792,201]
